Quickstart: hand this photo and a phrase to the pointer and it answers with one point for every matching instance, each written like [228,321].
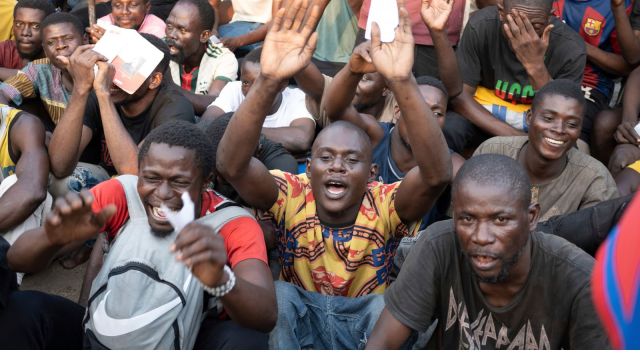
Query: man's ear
[204,36]
[528,118]
[501,13]
[308,168]
[156,80]
[534,215]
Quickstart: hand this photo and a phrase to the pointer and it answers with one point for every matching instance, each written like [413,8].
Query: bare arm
[629,43]
[471,110]
[423,184]
[122,149]
[93,268]
[252,302]
[32,170]
[7,73]
[285,52]
[311,82]
[435,14]
[297,137]
[70,136]
[343,89]
[70,222]
[389,333]
[612,63]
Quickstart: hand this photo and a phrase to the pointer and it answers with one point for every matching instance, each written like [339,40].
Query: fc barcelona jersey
[594,21]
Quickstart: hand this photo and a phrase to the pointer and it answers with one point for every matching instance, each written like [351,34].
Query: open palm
[435,13]
[289,43]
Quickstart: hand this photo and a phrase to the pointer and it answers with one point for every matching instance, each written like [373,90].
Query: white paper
[385,14]
[180,219]
[637,129]
[133,57]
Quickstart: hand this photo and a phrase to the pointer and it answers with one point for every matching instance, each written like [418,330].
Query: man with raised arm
[334,225]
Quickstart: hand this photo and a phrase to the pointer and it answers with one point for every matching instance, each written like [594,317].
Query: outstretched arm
[297,137]
[32,170]
[389,333]
[422,186]
[343,89]
[71,221]
[435,14]
[287,49]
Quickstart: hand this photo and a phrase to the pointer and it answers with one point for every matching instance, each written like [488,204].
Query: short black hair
[162,46]
[204,11]
[215,130]
[563,87]
[62,18]
[186,135]
[42,5]
[253,56]
[495,170]
[431,81]
[536,4]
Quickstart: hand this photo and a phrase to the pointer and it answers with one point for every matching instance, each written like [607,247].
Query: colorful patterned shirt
[39,79]
[7,159]
[350,261]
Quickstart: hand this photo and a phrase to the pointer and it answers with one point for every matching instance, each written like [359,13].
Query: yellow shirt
[7,116]
[6,19]
[351,261]
[635,166]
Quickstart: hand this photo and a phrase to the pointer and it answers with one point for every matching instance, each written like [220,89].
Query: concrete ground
[57,280]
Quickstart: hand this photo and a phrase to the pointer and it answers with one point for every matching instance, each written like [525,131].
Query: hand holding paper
[180,219]
[385,14]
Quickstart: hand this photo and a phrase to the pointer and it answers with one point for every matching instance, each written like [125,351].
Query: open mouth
[554,142]
[483,262]
[335,189]
[158,214]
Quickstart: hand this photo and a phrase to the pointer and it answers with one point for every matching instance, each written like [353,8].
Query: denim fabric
[84,177]
[238,28]
[309,320]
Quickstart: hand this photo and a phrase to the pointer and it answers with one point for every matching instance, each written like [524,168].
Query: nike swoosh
[107,326]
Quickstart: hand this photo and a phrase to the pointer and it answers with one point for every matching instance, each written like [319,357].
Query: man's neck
[67,80]
[375,110]
[194,60]
[503,293]
[539,169]
[401,153]
[139,106]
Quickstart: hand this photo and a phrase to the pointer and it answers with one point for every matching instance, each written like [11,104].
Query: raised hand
[95,33]
[394,60]
[435,13]
[202,250]
[71,220]
[360,61]
[80,66]
[290,42]
[525,42]
[104,77]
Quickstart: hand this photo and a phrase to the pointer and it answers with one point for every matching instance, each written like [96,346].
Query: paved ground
[57,280]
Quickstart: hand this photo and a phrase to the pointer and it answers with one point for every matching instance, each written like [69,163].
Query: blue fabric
[388,173]
[309,320]
[84,178]
[238,28]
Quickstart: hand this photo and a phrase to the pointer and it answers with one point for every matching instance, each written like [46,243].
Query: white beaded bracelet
[222,290]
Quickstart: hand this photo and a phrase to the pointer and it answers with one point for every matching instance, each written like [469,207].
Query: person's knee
[605,125]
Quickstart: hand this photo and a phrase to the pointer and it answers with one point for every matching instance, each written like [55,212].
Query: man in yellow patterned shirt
[337,230]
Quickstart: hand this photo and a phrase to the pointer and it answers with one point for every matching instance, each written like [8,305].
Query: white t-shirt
[291,108]
[251,10]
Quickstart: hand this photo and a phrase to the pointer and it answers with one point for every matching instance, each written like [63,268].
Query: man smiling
[229,264]
[488,278]
[564,179]
[198,66]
